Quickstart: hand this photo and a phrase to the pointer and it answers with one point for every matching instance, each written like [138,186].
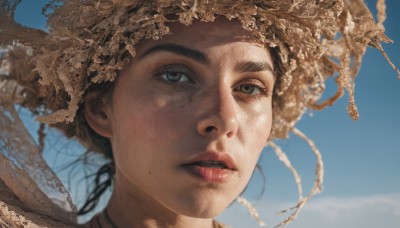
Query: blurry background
[362,158]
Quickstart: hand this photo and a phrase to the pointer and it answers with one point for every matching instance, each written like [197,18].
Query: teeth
[211,163]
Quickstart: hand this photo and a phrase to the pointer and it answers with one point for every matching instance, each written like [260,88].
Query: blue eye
[172,76]
[249,89]
[174,73]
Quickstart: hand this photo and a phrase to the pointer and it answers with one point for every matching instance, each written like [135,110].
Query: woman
[183,112]
[189,149]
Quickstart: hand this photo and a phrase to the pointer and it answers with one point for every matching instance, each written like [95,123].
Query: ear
[97,114]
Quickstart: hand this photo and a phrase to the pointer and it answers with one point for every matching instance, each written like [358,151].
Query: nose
[220,116]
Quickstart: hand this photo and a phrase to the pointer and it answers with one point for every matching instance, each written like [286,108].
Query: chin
[204,206]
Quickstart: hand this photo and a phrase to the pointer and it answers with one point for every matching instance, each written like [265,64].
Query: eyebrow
[248,66]
[195,55]
[198,56]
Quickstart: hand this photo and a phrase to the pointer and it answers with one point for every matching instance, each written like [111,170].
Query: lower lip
[209,174]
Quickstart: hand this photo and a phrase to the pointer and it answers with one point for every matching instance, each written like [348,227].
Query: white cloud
[357,212]
[376,211]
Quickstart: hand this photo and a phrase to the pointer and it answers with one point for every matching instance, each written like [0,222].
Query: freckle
[149,172]
[182,106]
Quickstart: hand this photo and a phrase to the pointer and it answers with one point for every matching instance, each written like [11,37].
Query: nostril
[209,129]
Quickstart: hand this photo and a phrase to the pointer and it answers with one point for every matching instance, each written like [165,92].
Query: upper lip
[221,157]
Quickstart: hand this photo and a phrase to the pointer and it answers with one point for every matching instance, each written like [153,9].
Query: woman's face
[190,116]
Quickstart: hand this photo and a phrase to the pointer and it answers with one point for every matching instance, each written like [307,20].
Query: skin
[167,107]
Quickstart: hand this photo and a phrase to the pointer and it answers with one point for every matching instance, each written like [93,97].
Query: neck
[130,207]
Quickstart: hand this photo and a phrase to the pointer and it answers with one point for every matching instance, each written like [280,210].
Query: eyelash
[263,91]
[174,69]
[185,72]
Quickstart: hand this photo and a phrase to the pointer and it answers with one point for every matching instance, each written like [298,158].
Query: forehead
[203,35]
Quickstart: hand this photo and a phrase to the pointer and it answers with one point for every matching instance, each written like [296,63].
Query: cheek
[256,127]
[144,126]
[138,149]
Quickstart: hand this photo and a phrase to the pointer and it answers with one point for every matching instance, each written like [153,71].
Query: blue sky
[362,158]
